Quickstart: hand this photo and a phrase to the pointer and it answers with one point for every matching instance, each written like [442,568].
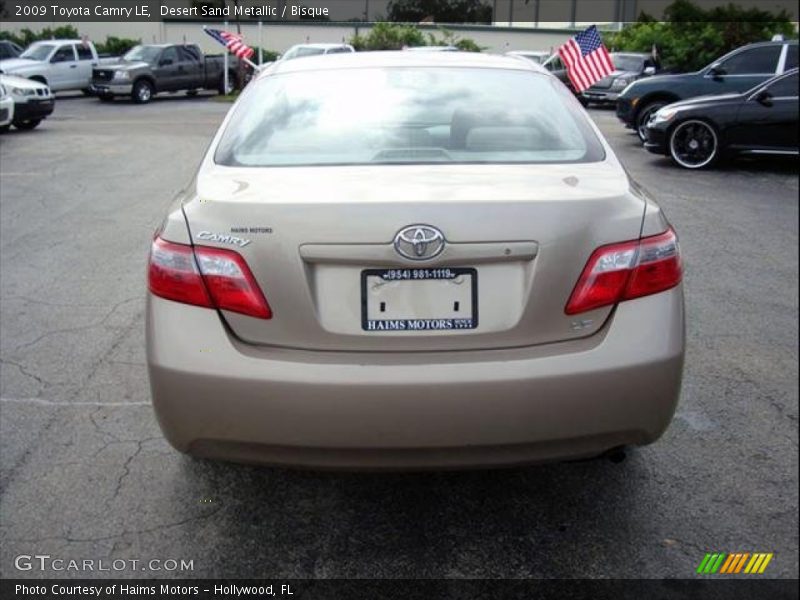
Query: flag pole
[260,43]
[225,65]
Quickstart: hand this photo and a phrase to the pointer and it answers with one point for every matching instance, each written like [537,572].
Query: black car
[697,132]
[736,72]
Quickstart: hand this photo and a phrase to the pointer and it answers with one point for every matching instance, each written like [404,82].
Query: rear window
[407,115]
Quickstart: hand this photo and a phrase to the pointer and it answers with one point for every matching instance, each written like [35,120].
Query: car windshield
[146,54]
[37,51]
[626,62]
[407,115]
[300,51]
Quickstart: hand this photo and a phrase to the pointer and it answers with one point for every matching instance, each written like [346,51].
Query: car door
[743,70]
[166,71]
[63,72]
[767,121]
[86,62]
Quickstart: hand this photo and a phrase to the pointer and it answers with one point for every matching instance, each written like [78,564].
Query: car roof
[354,60]
[53,42]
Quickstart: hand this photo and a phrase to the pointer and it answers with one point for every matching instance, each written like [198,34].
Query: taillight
[627,270]
[210,277]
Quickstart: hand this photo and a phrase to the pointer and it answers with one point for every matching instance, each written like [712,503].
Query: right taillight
[205,276]
[627,270]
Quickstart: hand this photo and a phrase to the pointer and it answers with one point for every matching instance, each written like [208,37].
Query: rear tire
[643,116]
[231,84]
[26,125]
[191,92]
[142,91]
[5,128]
[87,92]
[106,97]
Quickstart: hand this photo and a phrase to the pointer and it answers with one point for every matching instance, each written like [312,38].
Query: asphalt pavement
[86,474]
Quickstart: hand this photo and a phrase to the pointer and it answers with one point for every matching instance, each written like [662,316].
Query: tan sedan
[412,260]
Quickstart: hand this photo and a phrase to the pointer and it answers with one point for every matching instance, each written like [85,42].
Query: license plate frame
[418,323]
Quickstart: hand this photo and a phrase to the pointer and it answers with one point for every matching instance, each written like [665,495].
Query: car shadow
[491,523]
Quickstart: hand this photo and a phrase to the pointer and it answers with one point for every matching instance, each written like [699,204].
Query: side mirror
[164,62]
[764,98]
[716,71]
[651,70]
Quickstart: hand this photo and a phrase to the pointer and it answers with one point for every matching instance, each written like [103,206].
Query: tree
[691,37]
[441,11]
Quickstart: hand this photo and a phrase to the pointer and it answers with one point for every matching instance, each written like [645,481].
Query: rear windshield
[407,115]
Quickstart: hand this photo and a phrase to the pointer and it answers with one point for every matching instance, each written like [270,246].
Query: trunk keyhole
[383,306]
[455,306]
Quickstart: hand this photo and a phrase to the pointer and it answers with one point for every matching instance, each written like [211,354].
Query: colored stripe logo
[735,563]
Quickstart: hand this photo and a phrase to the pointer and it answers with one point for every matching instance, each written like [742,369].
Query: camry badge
[222,238]
[419,242]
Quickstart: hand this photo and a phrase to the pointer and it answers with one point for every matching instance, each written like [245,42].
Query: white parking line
[43,402]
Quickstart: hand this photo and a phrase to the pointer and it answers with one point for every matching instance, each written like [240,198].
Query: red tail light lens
[627,270]
[216,279]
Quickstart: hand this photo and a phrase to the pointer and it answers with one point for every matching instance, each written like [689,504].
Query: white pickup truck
[60,64]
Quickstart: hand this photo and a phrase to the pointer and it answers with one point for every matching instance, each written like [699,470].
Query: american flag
[586,59]
[232,42]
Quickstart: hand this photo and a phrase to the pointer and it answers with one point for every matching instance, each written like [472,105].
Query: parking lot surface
[85,473]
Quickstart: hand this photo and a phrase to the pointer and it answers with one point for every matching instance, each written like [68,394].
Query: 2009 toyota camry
[410,260]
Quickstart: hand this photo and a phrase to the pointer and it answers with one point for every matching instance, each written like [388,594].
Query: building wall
[280,36]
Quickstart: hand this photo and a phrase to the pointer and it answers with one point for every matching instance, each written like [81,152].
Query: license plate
[440,299]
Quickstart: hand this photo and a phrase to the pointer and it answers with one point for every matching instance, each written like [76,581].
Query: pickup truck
[59,64]
[152,68]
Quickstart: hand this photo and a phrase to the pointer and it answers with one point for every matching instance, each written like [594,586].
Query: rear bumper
[215,396]
[33,109]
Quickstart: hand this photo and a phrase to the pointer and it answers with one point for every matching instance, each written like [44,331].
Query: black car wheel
[142,91]
[693,144]
[643,117]
[106,97]
[29,124]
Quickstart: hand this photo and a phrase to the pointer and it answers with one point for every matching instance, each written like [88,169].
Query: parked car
[382,341]
[537,56]
[698,132]
[628,67]
[59,64]
[9,49]
[33,101]
[148,69]
[301,50]
[6,108]
[737,71]
[559,70]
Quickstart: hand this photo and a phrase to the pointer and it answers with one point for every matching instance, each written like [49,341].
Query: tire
[106,97]
[231,84]
[142,91]
[26,125]
[5,128]
[191,92]
[693,144]
[87,92]
[643,116]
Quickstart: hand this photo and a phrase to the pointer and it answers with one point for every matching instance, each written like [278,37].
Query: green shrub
[116,46]
[26,37]
[691,37]
[396,36]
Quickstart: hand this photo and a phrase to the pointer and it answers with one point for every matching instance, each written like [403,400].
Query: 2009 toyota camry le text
[412,260]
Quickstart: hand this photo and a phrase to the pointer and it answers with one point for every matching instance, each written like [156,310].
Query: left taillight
[626,271]
[205,276]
